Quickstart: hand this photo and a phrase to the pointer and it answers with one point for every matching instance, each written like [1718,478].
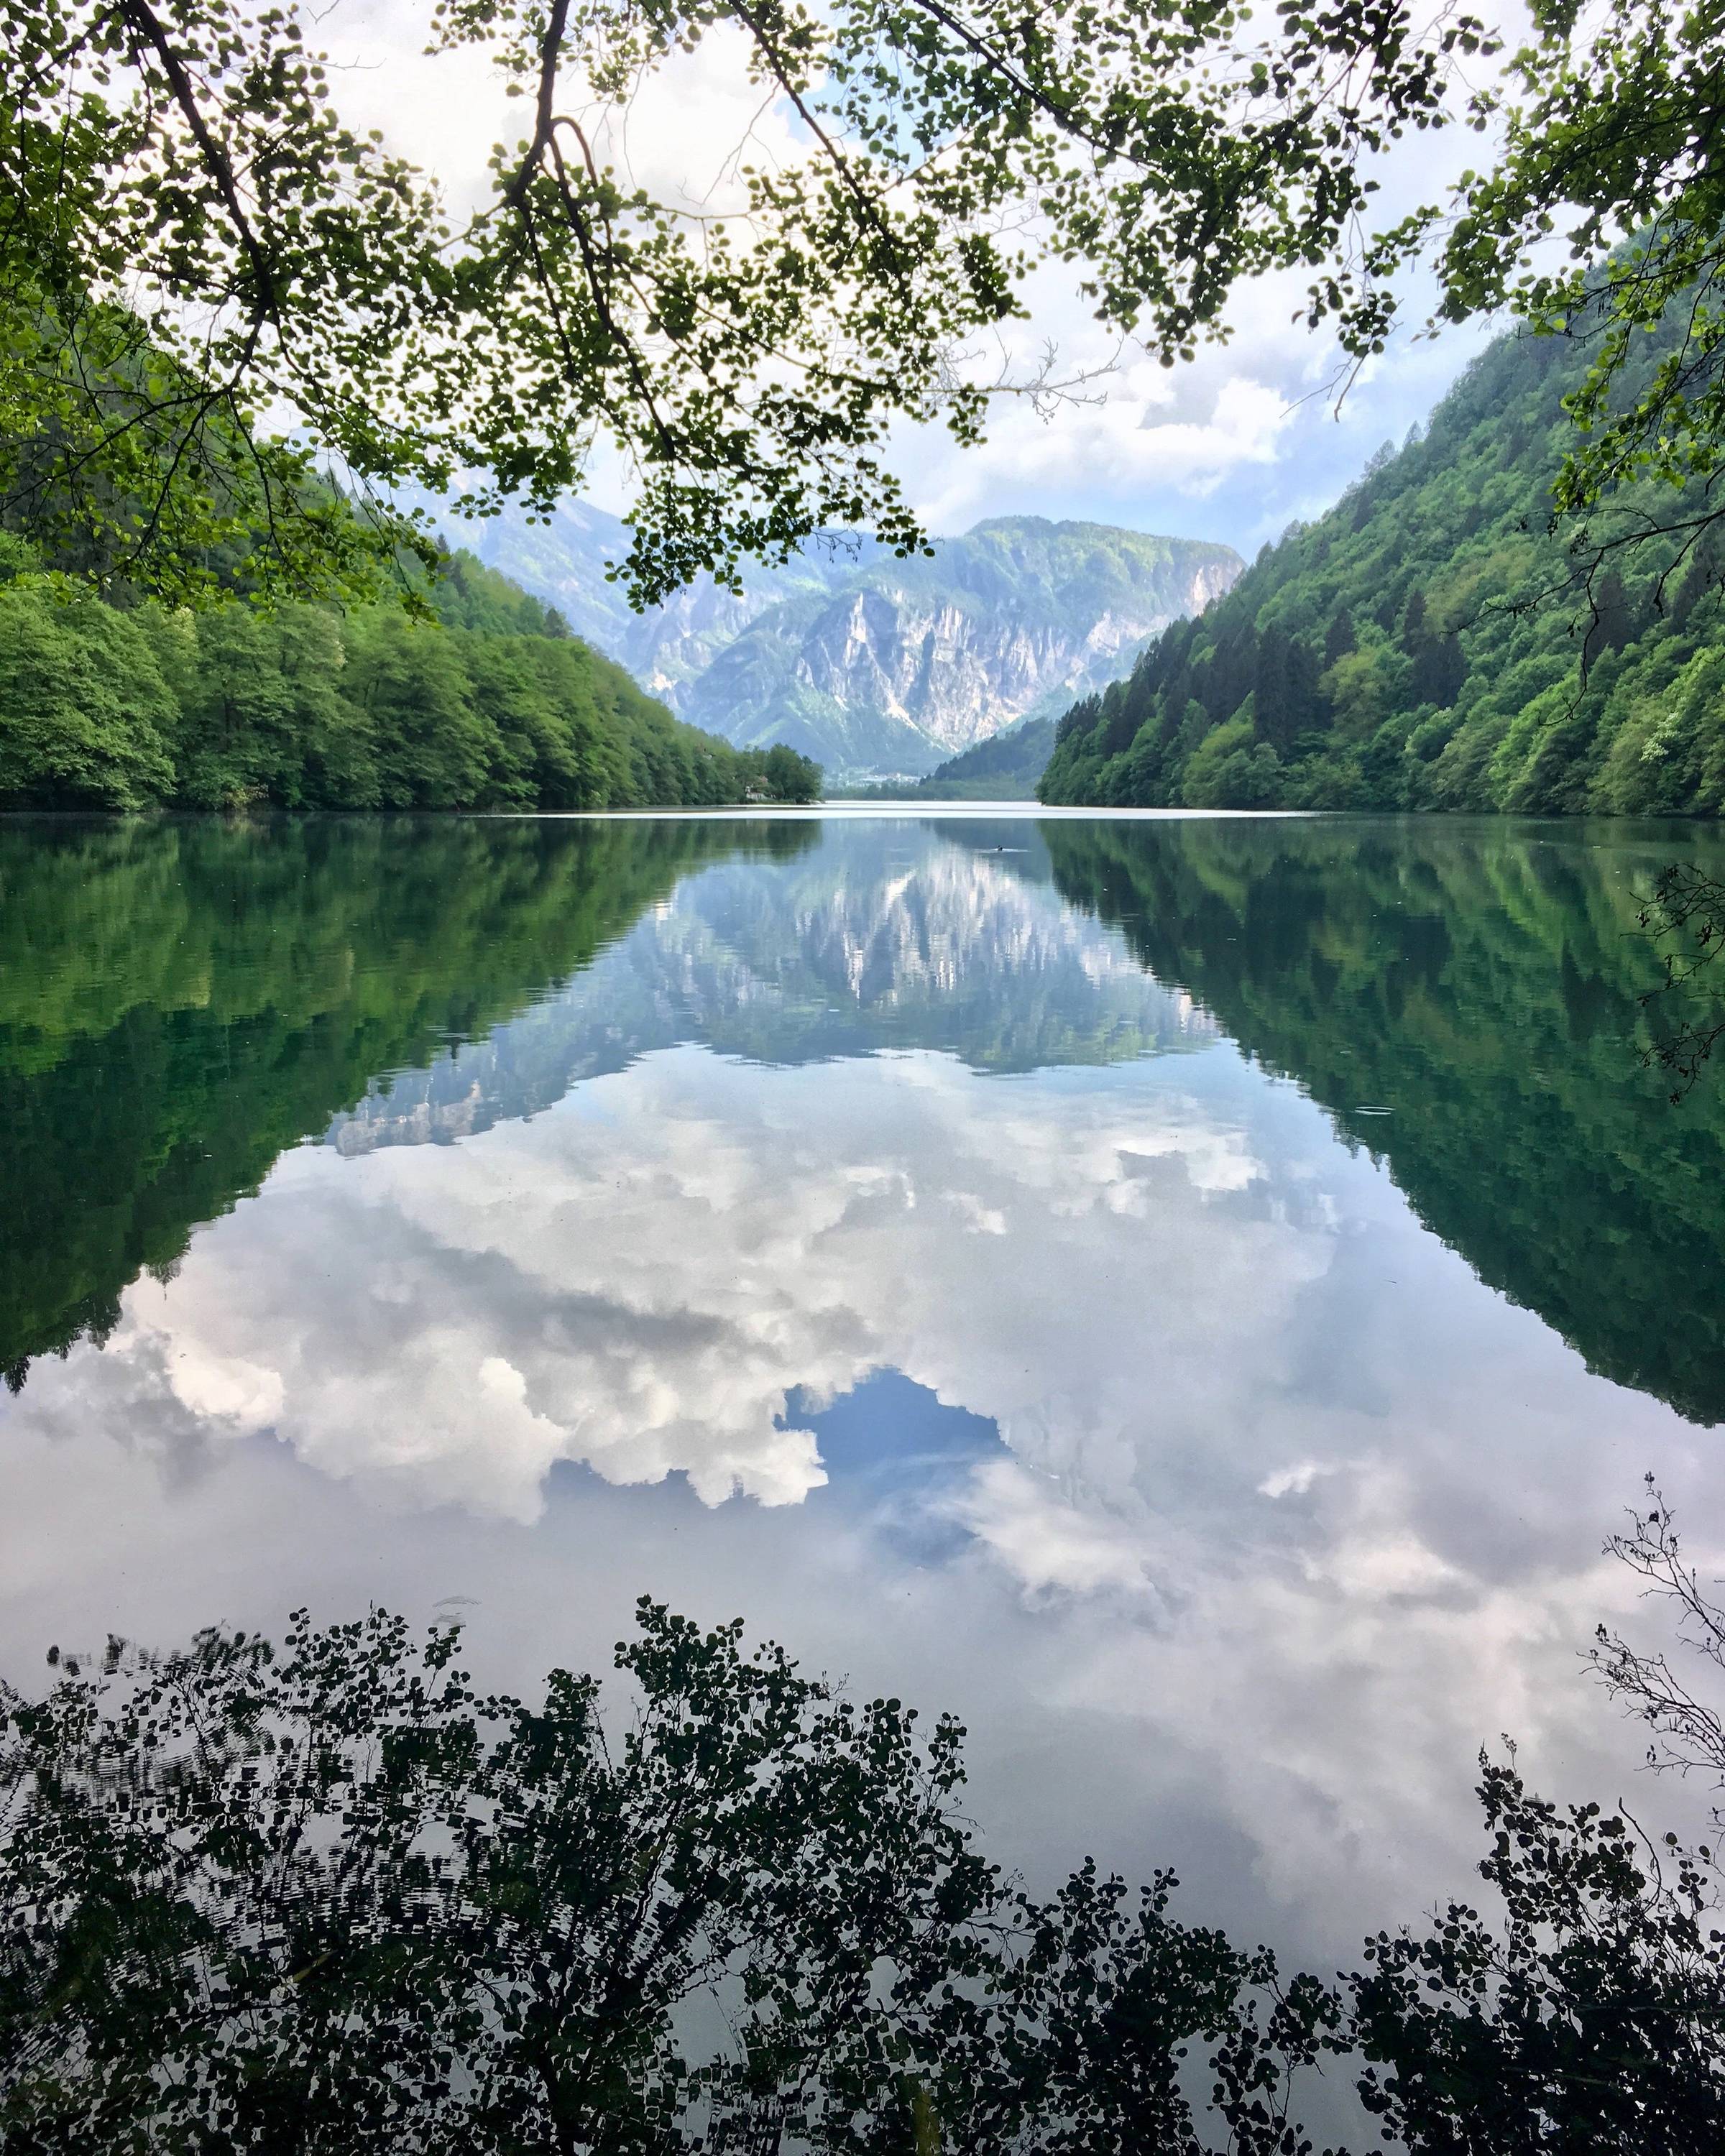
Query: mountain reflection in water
[978,1266]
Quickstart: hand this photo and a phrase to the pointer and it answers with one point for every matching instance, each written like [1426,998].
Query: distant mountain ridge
[1004,767]
[872,664]
[563,563]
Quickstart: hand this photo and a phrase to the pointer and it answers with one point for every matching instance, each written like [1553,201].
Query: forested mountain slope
[110,706]
[1386,656]
[1004,767]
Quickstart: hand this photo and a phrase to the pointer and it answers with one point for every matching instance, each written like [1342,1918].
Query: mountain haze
[870,663]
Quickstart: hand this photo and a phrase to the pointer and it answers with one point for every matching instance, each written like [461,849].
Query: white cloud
[680,139]
[1294,1481]
[1124,449]
[1049,1544]
[637,1286]
[227,1389]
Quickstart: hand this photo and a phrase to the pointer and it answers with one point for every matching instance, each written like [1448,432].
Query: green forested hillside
[102,707]
[1387,655]
[1004,767]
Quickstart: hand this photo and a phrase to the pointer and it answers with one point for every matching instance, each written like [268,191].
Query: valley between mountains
[877,668]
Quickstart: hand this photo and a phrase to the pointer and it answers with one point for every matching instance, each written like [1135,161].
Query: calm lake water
[1189,1295]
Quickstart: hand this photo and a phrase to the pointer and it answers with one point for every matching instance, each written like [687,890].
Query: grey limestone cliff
[873,666]
[907,662]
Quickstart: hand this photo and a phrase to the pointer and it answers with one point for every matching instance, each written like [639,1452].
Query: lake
[1190,1295]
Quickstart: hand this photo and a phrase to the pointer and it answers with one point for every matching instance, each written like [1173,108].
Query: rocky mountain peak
[873,664]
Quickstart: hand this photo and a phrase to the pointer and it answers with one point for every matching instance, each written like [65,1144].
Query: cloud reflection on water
[1281,1514]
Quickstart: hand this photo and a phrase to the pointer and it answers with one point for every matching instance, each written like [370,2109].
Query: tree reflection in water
[182,1001]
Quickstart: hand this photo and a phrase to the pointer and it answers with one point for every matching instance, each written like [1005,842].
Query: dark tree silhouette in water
[1686,1732]
[1591,2014]
[334,1899]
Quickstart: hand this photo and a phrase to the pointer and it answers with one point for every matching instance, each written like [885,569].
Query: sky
[1233,446]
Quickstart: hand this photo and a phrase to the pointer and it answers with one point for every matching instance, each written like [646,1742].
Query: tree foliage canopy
[304,708]
[337,1899]
[195,237]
